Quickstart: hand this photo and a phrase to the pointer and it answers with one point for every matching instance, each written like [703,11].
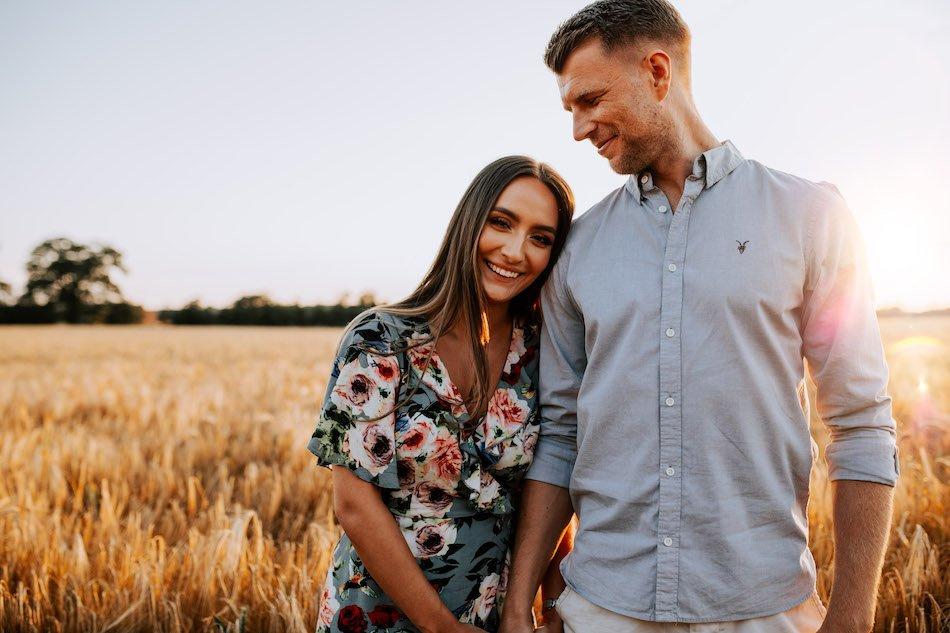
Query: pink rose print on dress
[328,605]
[507,411]
[445,462]
[419,438]
[406,471]
[431,499]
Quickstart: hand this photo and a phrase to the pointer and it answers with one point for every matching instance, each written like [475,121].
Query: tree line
[69,282]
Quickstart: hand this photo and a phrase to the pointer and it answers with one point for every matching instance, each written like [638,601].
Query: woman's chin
[495,295]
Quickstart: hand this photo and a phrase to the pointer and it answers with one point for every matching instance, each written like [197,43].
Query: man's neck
[672,168]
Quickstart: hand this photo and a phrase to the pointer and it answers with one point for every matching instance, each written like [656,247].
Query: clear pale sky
[307,149]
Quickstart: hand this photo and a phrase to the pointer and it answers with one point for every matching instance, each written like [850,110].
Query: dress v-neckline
[453,388]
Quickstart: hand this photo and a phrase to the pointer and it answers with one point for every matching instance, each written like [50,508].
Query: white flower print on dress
[517,350]
[371,445]
[485,602]
[360,390]
[427,539]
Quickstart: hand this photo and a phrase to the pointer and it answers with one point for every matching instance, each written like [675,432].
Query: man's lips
[603,146]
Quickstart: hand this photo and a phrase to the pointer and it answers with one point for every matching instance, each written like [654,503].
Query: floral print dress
[448,481]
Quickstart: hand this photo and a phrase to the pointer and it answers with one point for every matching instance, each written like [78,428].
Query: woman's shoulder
[383,331]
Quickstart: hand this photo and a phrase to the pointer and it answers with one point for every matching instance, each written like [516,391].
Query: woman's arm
[374,533]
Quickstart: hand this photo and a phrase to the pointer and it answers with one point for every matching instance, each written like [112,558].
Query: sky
[308,150]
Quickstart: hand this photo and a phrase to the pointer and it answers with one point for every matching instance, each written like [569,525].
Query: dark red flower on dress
[352,619]
[384,616]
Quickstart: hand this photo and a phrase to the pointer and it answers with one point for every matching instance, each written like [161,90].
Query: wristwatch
[548,604]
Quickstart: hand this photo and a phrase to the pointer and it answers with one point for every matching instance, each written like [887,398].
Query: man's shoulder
[591,219]
[792,186]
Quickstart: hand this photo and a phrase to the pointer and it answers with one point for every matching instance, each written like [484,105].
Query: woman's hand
[458,627]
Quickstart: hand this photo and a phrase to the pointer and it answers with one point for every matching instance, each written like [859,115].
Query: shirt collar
[711,166]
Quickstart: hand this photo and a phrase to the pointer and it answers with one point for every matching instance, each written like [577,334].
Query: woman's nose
[513,250]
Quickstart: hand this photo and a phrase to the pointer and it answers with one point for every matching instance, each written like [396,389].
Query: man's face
[614,104]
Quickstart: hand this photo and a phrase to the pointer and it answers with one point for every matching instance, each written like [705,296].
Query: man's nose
[582,128]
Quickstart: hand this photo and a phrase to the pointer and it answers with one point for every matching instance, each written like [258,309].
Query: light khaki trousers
[582,616]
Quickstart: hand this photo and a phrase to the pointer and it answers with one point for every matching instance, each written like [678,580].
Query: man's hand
[507,626]
[552,622]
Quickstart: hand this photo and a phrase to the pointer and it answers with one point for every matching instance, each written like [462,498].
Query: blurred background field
[157,479]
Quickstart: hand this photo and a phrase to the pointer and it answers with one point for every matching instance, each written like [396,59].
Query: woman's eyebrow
[514,216]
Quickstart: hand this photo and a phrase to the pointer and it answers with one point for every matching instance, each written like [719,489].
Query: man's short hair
[618,23]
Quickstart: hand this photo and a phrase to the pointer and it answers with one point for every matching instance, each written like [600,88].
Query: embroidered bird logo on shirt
[741,247]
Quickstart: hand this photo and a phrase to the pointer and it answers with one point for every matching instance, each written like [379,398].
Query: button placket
[671,416]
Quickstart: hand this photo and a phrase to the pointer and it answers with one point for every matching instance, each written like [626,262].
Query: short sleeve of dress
[363,385]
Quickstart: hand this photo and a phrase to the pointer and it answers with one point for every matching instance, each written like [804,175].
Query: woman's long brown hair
[451,291]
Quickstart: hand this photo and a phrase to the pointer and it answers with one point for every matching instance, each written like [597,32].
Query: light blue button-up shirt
[672,388]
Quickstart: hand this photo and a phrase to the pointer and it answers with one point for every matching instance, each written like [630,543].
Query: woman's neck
[497,317]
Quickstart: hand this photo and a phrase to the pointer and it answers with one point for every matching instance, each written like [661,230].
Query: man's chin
[621,166]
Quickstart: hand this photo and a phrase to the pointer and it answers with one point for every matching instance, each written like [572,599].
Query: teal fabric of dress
[449,481]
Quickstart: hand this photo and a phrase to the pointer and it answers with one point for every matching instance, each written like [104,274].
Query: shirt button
[668,541]
[671,268]
[670,402]
[644,179]
[670,471]
[670,332]
[662,209]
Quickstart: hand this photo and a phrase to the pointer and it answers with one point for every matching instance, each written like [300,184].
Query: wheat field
[157,479]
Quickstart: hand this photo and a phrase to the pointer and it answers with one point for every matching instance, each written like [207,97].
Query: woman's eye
[500,222]
[544,241]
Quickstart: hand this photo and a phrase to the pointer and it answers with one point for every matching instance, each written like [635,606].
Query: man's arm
[546,503]
[545,512]
[862,518]
[842,343]
[552,582]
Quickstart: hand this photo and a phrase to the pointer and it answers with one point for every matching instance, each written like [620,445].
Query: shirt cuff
[553,462]
[863,454]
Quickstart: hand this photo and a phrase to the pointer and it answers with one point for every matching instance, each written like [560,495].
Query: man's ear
[660,67]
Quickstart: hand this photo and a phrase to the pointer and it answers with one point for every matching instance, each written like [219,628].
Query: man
[676,323]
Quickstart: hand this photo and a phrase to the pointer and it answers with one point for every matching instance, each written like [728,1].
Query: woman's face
[515,244]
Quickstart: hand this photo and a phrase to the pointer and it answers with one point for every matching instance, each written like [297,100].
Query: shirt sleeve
[561,368]
[842,343]
[356,425]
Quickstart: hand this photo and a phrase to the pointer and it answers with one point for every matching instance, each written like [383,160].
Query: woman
[431,417]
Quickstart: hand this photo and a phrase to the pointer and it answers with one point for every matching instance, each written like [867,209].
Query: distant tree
[251,302]
[74,280]
[6,293]
[367,299]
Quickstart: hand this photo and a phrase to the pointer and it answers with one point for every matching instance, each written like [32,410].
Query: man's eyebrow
[584,94]
[514,216]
